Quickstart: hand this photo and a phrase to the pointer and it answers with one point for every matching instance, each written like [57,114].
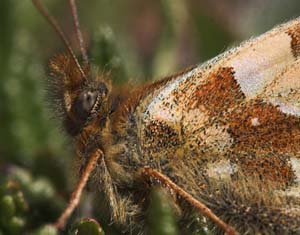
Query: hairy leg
[152,174]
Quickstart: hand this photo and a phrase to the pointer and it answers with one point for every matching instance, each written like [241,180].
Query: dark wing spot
[276,131]
[272,167]
[220,93]
[294,33]
[262,148]
[159,136]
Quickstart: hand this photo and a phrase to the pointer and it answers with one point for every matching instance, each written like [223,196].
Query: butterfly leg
[157,177]
[76,195]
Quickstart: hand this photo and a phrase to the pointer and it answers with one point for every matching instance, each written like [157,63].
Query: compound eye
[84,104]
[88,100]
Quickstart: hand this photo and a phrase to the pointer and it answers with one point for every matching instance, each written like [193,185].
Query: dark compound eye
[88,100]
[85,103]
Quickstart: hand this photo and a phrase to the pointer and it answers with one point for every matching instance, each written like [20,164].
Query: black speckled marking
[159,136]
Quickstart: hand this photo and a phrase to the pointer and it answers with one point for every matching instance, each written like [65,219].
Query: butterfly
[222,138]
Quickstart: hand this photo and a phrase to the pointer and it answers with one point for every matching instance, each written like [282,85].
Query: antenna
[78,32]
[60,33]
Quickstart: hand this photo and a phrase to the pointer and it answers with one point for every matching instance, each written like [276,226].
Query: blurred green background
[136,40]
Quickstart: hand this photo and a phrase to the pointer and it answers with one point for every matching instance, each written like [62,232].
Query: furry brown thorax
[227,132]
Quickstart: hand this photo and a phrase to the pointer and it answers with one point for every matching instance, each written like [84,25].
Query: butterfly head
[78,97]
